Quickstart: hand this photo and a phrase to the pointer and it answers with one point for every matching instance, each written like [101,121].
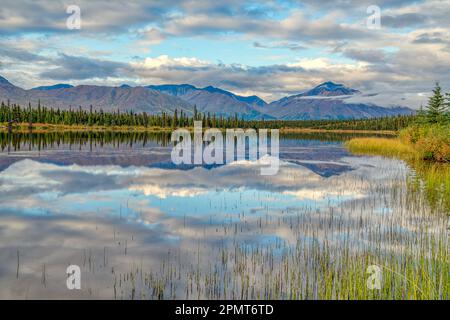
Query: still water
[140,227]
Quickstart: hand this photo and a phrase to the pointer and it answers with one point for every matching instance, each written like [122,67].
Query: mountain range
[326,101]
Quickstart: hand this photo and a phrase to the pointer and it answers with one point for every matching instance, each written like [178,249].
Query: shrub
[410,135]
[432,142]
[381,146]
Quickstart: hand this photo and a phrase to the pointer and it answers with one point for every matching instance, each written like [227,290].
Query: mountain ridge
[325,101]
[215,100]
[329,89]
[54,87]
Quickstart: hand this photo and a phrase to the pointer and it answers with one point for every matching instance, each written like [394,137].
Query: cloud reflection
[109,218]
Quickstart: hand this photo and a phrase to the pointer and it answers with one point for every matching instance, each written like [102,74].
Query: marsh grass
[400,225]
[433,177]
[329,259]
[333,251]
[382,146]
[426,142]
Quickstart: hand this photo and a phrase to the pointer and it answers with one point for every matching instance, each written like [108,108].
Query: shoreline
[47,128]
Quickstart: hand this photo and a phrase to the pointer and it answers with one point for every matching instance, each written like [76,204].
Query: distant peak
[183,85]
[4,82]
[54,87]
[214,89]
[330,84]
[330,88]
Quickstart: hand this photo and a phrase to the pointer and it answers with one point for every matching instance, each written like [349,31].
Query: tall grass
[314,252]
[329,259]
[382,146]
[431,142]
[425,149]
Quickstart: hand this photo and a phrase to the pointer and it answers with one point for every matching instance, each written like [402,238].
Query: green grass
[414,261]
[382,146]
[424,149]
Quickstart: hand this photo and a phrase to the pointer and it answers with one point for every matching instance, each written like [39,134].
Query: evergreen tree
[447,112]
[421,116]
[175,119]
[436,107]
[30,117]
[195,112]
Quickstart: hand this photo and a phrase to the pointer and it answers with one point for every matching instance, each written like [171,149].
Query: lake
[140,227]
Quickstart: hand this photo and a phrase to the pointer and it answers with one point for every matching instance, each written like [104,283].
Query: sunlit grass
[382,146]
[410,247]
[434,177]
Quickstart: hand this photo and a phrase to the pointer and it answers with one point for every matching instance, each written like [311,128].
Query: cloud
[326,41]
[296,26]
[432,37]
[368,55]
[20,55]
[97,16]
[75,67]
[279,45]
[165,61]
[404,20]
[261,80]
[352,4]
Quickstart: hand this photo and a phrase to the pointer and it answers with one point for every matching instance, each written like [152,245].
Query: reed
[329,260]
[416,148]
[382,146]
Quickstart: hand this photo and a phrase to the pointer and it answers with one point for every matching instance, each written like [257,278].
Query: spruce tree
[175,119]
[447,109]
[436,106]
[421,116]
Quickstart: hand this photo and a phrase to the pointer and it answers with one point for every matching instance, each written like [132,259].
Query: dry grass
[45,127]
[432,176]
[382,146]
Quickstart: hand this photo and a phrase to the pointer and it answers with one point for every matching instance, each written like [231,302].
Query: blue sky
[268,48]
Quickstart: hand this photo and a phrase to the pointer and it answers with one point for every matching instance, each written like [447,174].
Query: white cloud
[166,61]
[408,54]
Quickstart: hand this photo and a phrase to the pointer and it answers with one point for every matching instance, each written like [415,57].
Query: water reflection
[317,151]
[141,230]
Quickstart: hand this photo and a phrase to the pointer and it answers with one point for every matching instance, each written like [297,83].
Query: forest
[13,114]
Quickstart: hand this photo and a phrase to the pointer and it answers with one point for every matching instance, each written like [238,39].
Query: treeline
[382,123]
[14,114]
[41,114]
[81,139]
[17,141]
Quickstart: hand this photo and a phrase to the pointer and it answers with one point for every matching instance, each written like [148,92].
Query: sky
[267,48]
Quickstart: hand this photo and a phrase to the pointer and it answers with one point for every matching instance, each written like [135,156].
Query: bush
[432,142]
[410,135]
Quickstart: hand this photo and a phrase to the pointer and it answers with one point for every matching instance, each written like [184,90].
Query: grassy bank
[426,149]
[413,143]
[44,127]
[382,146]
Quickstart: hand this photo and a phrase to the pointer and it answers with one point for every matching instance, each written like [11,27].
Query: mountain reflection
[121,209]
[314,151]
